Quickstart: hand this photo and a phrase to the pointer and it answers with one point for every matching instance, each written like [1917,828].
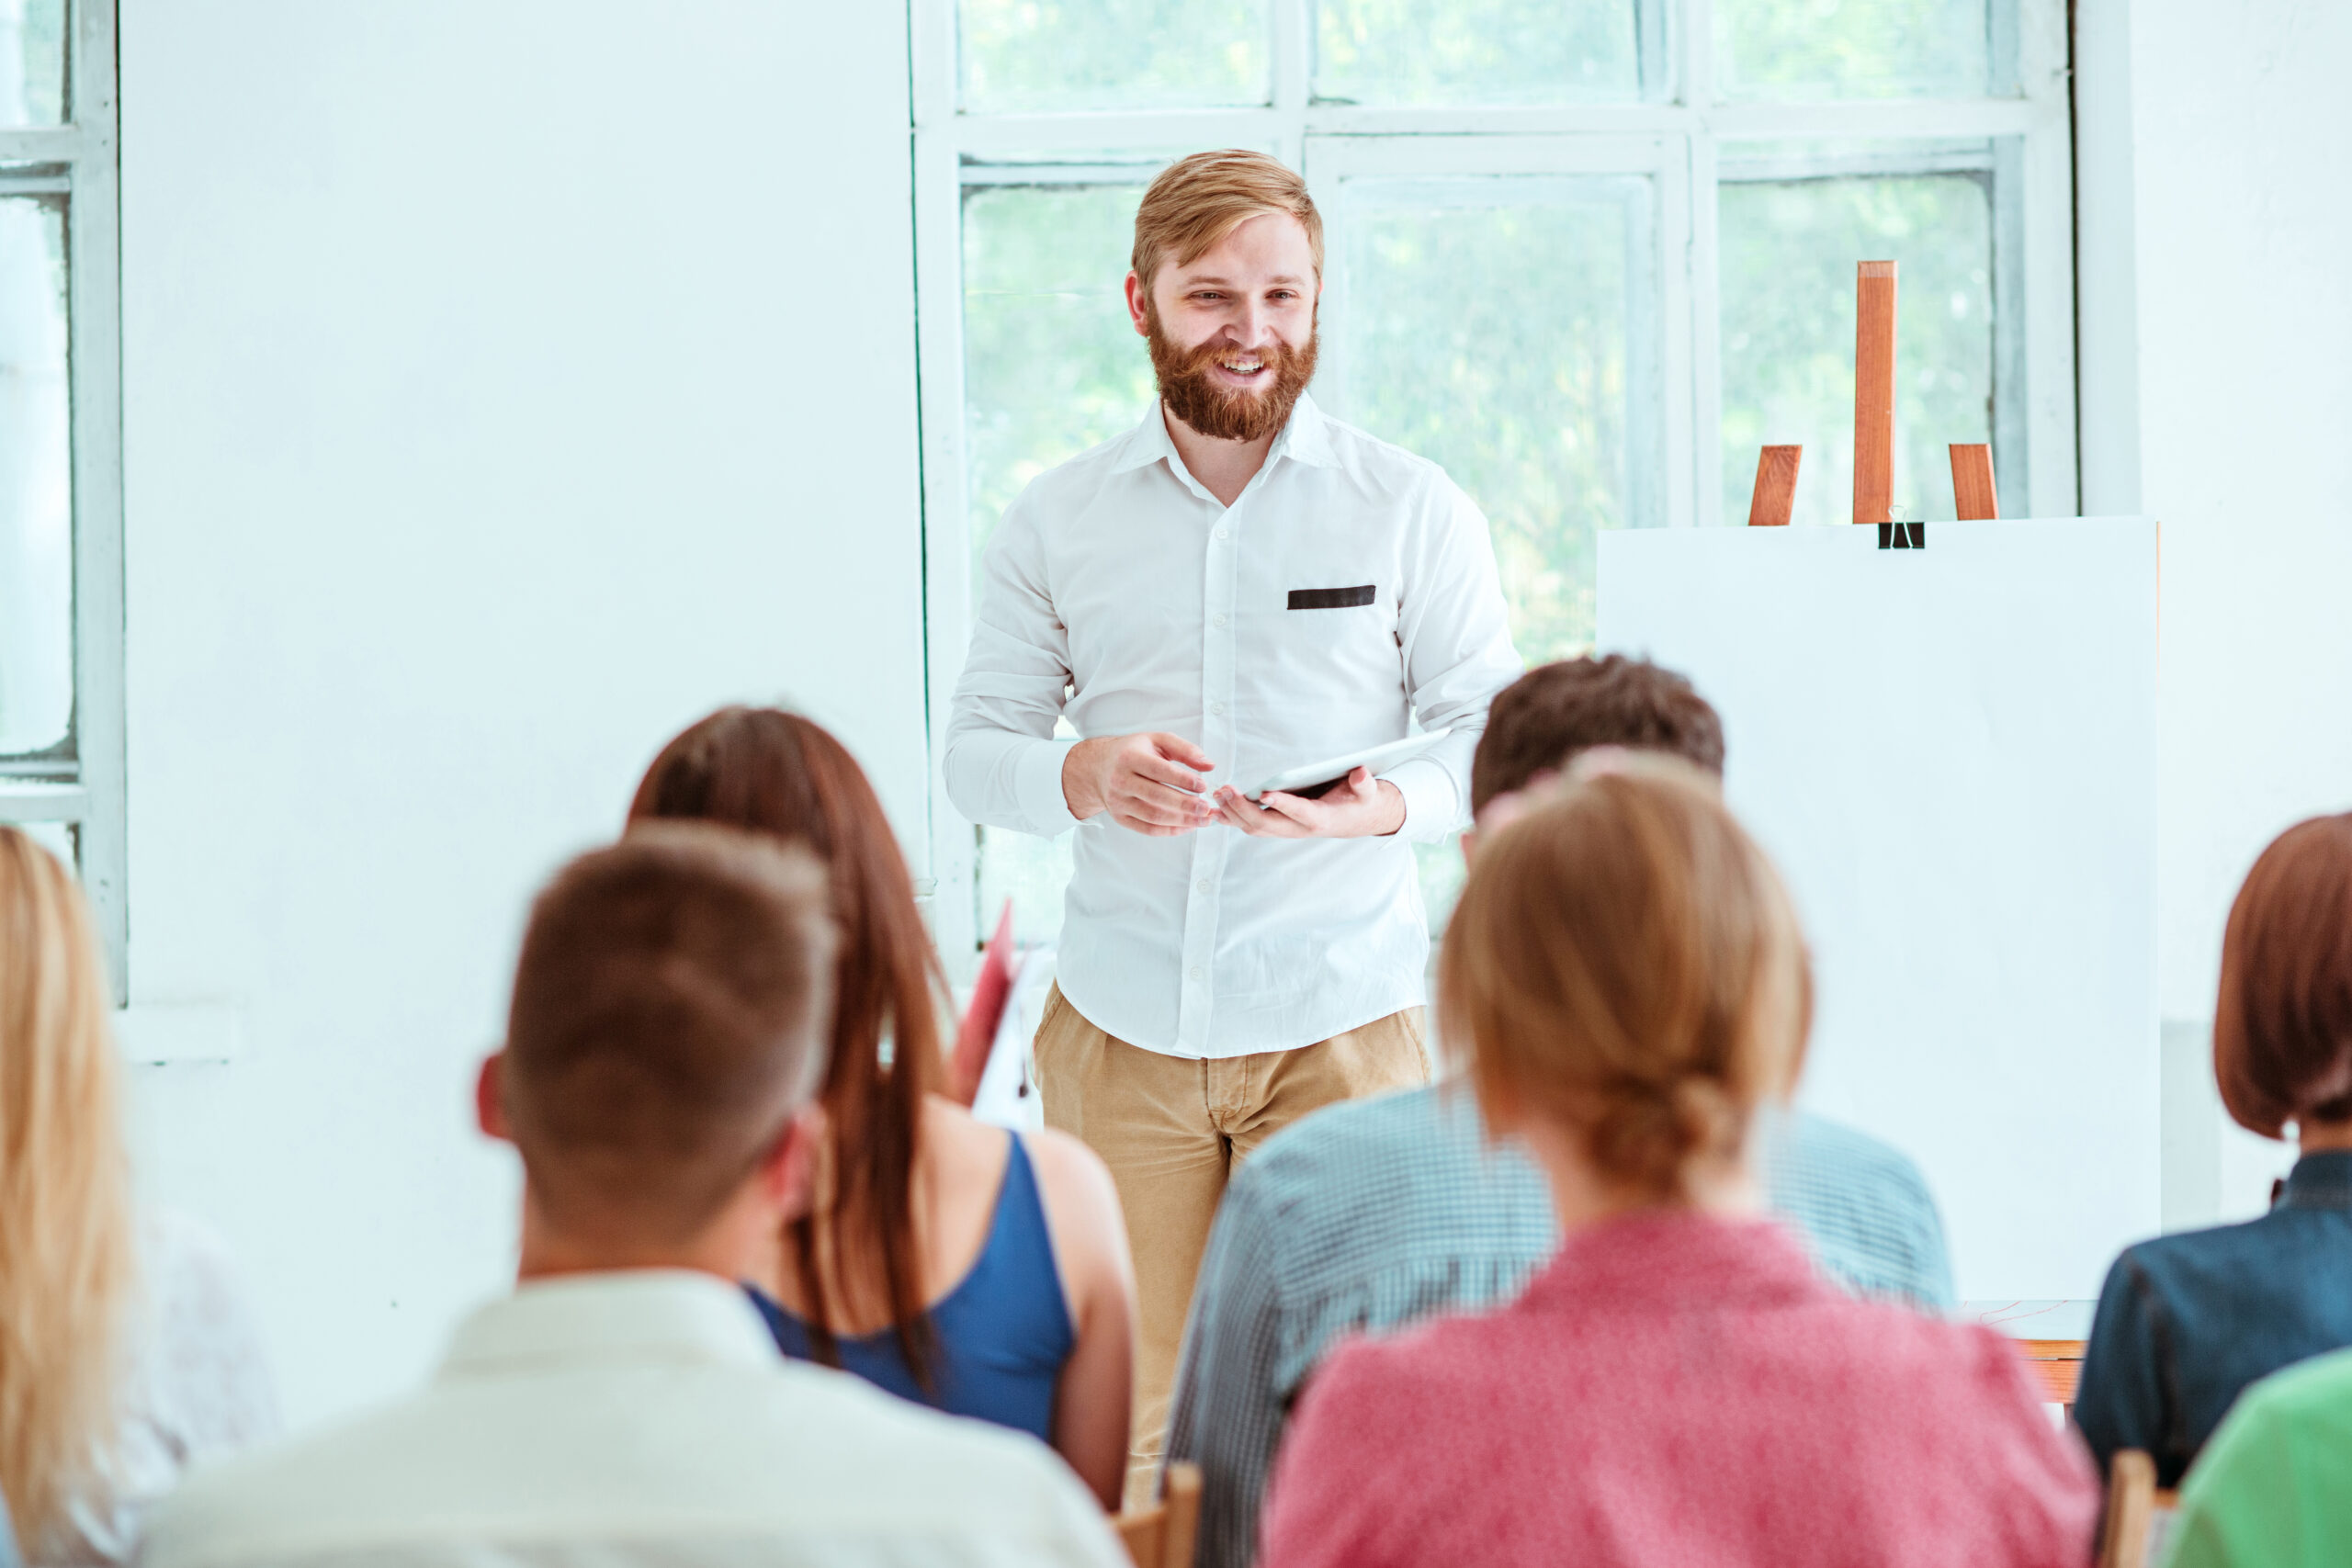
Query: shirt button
[1216,707]
[1198,973]
[1218,623]
[1203,884]
[1223,533]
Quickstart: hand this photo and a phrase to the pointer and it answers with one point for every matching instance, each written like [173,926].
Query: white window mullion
[1293,59]
[2045,210]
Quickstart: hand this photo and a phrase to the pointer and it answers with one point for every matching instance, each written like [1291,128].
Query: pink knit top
[1674,1389]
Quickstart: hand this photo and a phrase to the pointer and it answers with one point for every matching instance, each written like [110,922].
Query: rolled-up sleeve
[1002,765]
[1458,654]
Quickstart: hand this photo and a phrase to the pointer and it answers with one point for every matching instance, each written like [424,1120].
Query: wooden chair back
[2139,1514]
[1161,1536]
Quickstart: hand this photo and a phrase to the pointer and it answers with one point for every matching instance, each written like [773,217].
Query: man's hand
[1364,807]
[1149,784]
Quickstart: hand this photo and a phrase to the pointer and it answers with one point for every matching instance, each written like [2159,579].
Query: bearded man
[1237,586]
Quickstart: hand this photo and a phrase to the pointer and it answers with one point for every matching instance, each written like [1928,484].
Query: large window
[61,506]
[1588,255]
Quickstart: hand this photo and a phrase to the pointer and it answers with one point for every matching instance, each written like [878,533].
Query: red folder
[977,1033]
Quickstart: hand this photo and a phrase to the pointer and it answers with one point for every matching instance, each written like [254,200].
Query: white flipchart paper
[1951,753]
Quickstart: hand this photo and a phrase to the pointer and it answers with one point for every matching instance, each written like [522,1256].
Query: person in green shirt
[2275,1486]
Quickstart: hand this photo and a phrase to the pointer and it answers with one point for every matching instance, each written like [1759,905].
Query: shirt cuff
[1037,786]
[1432,805]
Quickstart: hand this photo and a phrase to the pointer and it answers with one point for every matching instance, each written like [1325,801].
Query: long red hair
[778,772]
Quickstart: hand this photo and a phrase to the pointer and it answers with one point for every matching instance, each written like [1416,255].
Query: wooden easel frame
[1973,496]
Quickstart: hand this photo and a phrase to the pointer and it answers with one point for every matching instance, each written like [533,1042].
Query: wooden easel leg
[1873,391]
[1776,487]
[1971,482]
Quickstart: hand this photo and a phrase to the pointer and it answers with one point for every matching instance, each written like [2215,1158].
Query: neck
[724,1249]
[1224,468]
[2324,1137]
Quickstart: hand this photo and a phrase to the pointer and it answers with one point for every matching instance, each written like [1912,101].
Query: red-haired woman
[948,1261]
[2186,1322]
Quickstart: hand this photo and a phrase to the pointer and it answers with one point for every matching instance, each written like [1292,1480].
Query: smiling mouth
[1241,366]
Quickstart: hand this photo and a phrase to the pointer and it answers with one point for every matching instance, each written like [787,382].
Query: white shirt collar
[637,1315]
[1306,438]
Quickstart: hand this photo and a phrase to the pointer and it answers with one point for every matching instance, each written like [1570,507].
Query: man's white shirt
[638,1418]
[1119,592]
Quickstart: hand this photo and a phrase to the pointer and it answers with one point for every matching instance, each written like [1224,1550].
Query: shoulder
[205,1370]
[1376,1183]
[1346,1139]
[1073,482]
[2293,1428]
[1812,1147]
[1073,1183]
[2315,1392]
[2240,1259]
[1381,464]
[785,1448]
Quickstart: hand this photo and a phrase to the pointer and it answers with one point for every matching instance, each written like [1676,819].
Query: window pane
[1490,324]
[60,839]
[32,62]
[36,489]
[1051,367]
[1852,49]
[1477,51]
[1788,252]
[1102,54]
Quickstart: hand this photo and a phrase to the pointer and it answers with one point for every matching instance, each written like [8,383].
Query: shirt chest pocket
[1334,628]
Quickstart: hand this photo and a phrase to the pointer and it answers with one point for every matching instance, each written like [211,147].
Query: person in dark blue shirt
[2186,1322]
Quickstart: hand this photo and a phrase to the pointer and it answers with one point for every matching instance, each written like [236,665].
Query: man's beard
[1188,388]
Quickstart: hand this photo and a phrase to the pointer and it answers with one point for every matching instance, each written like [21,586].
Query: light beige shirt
[639,1417]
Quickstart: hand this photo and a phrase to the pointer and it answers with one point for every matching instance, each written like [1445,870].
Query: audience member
[2187,1321]
[946,1260]
[1677,1385]
[126,1351]
[625,1404]
[2271,1490]
[1376,1214]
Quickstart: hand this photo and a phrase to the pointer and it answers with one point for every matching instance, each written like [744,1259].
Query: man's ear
[1139,306]
[1469,844]
[788,1171]
[490,1104]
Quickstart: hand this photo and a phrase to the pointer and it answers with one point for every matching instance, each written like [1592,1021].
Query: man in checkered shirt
[1369,1216]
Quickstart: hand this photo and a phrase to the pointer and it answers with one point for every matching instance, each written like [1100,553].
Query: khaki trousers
[1171,1128]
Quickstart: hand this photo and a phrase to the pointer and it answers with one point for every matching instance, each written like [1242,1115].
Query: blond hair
[1197,201]
[66,1250]
[1624,966]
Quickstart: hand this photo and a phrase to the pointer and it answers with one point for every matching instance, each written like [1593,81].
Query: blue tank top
[999,1338]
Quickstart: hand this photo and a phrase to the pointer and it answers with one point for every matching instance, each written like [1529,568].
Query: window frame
[87,790]
[1690,143]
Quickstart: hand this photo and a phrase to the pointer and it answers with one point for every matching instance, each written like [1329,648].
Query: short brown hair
[2282,1026]
[1625,965]
[1197,201]
[1547,716]
[667,1021]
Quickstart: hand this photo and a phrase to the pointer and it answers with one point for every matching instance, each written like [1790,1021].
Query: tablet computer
[1315,780]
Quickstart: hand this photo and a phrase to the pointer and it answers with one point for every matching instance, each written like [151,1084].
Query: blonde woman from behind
[125,1351]
[1676,1385]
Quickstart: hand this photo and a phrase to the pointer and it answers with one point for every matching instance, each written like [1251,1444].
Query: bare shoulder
[1081,1208]
[1072,1177]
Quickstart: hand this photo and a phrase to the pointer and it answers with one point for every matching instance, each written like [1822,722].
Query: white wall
[504,385]
[2216,223]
